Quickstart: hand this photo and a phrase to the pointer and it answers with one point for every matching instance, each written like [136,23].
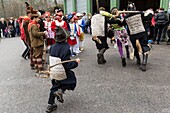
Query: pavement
[108,88]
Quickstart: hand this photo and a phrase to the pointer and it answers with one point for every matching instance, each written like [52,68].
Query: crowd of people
[131,28]
[62,36]
[9,28]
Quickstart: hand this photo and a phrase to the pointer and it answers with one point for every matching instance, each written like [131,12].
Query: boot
[100,58]
[102,51]
[123,62]
[143,66]
[51,107]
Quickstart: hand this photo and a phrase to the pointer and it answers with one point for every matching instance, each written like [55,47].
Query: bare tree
[3,8]
[56,3]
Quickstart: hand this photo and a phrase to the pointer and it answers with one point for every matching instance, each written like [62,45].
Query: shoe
[143,67]
[81,49]
[33,67]
[51,108]
[24,57]
[123,62]
[72,55]
[100,59]
[59,95]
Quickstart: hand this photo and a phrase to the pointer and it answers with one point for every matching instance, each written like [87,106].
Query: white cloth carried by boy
[57,72]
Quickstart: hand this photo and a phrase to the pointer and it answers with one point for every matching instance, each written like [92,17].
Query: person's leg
[145,50]
[127,51]
[32,60]
[102,49]
[25,53]
[159,34]
[51,101]
[119,44]
[39,54]
[155,34]
[136,53]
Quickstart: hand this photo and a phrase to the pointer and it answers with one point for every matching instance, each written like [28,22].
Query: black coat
[3,25]
[41,23]
[62,50]
[12,24]
[161,19]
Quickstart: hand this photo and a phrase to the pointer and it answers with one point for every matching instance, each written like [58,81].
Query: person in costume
[81,27]
[61,51]
[37,41]
[136,31]
[27,20]
[59,20]
[73,40]
[120,36]
[50,32]
[25,54]
[99,33]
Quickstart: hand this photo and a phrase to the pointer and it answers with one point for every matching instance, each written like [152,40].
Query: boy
[61,50]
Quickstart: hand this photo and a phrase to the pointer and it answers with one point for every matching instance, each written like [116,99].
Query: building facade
[90,6]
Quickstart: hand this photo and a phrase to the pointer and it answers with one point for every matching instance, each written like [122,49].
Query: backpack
[57,72]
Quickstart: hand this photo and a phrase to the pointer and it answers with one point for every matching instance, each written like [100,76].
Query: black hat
[34,14]
[42,12]
[131,6]
[61,34]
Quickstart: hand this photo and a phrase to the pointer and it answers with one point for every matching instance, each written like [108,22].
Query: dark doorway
[102,3]
[141,5]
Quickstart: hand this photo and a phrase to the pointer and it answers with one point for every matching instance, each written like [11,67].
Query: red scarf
[32,23]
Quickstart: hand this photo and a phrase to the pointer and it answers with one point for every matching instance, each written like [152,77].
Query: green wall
[114,3]
[89,6]
[164,4]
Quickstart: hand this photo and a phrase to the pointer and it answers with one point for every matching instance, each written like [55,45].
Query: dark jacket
[161,19]
[41,23]
[11,23]
[62,50]
[3,25]
[147,20]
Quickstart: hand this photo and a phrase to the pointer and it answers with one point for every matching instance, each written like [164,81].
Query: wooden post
[97,4]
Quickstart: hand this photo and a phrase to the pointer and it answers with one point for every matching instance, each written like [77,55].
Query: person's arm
[69,65]
[107,14]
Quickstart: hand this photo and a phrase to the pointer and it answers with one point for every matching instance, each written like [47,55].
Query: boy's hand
[78,60]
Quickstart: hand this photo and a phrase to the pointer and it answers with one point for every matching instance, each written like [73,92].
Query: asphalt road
[108,88]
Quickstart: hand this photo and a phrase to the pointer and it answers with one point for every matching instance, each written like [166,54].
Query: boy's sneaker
[51,107]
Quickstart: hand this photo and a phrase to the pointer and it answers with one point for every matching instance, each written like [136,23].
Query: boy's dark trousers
[55,86]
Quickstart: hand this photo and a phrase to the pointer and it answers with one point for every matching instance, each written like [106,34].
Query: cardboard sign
[135,24]
[98,25]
